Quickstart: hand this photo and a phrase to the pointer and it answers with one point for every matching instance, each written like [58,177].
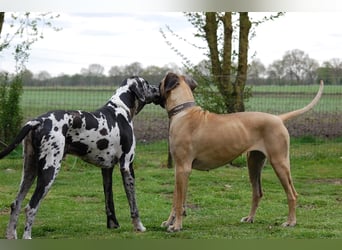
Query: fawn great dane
[202,140]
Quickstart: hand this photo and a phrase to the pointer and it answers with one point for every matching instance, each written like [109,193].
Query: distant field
[274,98]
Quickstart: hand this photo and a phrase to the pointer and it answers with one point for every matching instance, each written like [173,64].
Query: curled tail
[23,132]
[298,112]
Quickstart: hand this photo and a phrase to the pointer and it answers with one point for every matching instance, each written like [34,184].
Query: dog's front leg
[107,177]
[172,215]
[179,197]
[128,180]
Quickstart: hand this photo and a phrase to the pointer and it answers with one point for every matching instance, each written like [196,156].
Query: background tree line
[294,68]
[94,75]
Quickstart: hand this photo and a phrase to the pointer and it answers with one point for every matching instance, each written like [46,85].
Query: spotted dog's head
[171,81]
[143,93]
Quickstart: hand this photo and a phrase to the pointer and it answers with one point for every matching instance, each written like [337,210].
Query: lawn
[217,200]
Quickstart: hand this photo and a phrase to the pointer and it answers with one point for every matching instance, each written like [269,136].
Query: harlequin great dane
[103,138]
[202,140]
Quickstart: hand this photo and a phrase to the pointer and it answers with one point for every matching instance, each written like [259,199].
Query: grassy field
[74,208]
[217,200]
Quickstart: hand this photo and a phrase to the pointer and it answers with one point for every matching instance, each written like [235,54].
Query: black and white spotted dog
[103,138]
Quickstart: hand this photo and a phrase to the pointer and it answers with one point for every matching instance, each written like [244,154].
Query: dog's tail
[298,112]
[23,132]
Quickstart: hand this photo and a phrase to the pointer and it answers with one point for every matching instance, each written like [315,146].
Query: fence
[324,122]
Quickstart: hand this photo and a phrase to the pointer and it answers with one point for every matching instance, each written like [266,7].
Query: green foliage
[10,110]
[208,97]
[25,30]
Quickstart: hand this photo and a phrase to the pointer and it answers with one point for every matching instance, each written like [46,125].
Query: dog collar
[180,108]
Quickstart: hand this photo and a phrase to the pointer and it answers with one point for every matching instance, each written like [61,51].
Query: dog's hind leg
[28,176]
[49,163]
[255,163]
[107,177]
[46,177]
[128,177]
[282,169]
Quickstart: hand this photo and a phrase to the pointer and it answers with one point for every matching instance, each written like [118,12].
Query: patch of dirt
[150,129]
[328,181]
[322,125]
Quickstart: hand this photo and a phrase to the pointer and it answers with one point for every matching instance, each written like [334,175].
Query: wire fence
[323,123]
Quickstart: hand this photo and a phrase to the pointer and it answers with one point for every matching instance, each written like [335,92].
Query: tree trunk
[210,28]
[2,18]
[240,81]
[231,90]
[225,84]
[220,69]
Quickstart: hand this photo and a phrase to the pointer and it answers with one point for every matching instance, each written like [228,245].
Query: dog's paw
[247,219]
[173,229]
[11,235]
[140,229]
[168,222]
[138,226]
[165,224]
[289,224]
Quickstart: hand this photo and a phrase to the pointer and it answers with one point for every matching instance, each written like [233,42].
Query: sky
[121,38]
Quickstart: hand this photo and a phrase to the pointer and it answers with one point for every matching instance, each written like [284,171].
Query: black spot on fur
[91,121]
[77,122]
[103,131]
[128,99]
[102,144]
[59,115]
[54,145]
[126,134]
[48,125]
[45,131]
[81,148]
[64,129]
[110,115]
[77,148]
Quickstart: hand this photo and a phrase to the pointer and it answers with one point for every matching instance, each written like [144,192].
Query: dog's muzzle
[152,95]
[155,95]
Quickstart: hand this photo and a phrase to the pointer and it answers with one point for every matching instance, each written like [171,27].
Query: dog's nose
[155,91]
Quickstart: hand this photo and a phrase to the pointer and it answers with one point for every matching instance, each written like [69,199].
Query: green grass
[74,208]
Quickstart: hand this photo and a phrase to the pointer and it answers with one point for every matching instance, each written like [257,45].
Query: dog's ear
[138,91]
[191,82]
[170,82]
